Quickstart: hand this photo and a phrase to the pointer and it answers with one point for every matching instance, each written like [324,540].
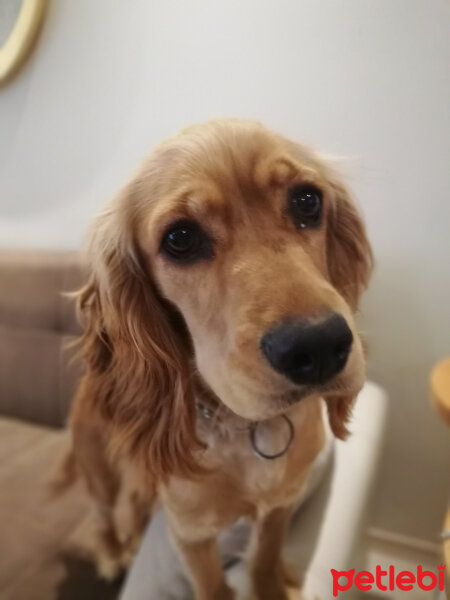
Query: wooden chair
[440,392]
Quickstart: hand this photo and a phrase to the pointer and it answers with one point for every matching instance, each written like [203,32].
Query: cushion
[31,286]
[44,543]
[37,377]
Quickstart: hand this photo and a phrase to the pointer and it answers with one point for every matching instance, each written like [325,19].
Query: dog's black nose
[306,352]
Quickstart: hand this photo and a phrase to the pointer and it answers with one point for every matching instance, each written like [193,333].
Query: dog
[219,313]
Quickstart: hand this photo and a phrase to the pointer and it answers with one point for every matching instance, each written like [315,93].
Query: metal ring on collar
[252,434]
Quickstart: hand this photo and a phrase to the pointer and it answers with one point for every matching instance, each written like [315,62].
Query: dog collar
[255,430]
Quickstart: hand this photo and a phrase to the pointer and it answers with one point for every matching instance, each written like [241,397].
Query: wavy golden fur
[160,336]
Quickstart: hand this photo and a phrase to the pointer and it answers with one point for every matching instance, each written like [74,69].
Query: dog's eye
[305,205]
[185,241]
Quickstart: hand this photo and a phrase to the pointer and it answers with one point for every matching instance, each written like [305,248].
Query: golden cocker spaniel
[219,317]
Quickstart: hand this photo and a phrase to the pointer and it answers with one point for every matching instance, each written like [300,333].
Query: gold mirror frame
[20,40]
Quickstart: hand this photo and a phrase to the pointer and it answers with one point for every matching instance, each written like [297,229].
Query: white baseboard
[403,541]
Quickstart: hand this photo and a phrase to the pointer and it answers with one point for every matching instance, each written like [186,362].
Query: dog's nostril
[304,363]
[266,346]
[341,351]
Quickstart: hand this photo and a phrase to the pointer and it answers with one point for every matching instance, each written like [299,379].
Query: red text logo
[388,580]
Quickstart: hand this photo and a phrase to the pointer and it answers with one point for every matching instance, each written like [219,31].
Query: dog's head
[237,254]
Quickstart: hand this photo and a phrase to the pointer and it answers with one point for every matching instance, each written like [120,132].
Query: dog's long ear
[350,263]
[350,259]
[138,359]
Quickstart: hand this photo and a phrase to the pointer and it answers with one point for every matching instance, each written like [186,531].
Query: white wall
[368,80]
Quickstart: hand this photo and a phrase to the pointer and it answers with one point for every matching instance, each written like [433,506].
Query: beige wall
[363,79]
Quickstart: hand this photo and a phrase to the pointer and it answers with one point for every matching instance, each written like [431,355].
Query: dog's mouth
[294,396]
[279,403]
[282,402]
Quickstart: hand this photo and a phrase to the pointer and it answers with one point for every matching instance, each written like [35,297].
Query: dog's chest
[241,483]
[268,483]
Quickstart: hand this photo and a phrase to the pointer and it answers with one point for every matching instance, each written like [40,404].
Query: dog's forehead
[225,160]
[224,174]
[227,156]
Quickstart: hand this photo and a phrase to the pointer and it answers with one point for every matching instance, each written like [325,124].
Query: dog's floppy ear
[138,359]
[339,413]
[349,255]
[350,263]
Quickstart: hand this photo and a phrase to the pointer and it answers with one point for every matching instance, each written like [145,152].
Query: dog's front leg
[270,576]
[204,569]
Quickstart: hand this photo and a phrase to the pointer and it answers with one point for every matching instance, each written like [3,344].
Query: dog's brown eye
[186,242]
[305,205]
[181,240]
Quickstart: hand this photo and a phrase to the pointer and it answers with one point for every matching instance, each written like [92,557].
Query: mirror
[19,24]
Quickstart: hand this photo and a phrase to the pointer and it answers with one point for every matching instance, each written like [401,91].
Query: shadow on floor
[81,582]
